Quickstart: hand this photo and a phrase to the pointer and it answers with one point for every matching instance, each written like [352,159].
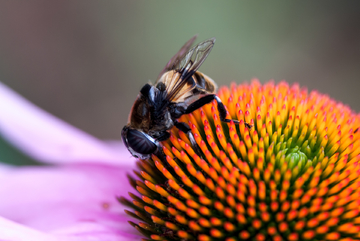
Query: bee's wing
[181,82]
[177,57]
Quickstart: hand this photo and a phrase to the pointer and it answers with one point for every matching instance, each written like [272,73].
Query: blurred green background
[85,61]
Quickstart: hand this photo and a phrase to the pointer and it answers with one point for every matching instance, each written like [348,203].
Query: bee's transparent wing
[181,82]
[177,57]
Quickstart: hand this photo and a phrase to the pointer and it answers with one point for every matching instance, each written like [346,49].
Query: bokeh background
[85,61]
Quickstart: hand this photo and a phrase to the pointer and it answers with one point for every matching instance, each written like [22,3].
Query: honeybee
[180,90]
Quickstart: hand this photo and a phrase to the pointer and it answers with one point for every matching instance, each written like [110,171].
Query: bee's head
[140,115]
[139,144]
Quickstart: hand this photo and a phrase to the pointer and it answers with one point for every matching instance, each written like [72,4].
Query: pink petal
[68,201]
[11,231]
[47,138]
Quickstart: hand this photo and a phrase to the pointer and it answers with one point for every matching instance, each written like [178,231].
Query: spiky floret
[293,176]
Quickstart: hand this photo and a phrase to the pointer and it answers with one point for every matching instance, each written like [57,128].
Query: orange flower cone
[293,176]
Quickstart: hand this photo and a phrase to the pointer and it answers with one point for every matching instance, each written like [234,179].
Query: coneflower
[293,176]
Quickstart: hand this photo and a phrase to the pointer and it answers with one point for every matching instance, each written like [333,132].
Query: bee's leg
[159,152]
[186,129]
[207,99]
[163,136]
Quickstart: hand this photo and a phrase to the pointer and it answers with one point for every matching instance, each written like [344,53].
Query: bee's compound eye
[140,142]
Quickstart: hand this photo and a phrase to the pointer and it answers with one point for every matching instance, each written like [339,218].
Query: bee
[180,89]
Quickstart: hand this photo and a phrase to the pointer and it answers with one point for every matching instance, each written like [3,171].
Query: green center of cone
[296,158]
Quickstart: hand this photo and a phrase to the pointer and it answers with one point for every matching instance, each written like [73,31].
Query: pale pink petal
[71,201]
[47,138]
[11,231]
[96,232]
